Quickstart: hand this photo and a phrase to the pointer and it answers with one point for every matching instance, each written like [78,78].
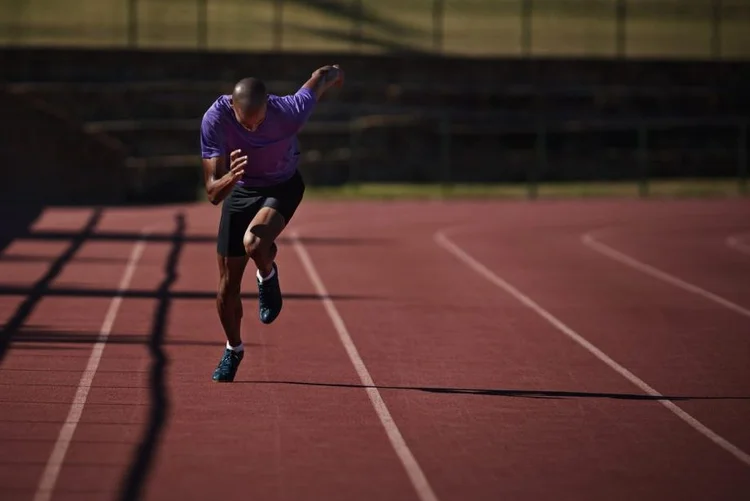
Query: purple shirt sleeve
[211,144]
[299,106]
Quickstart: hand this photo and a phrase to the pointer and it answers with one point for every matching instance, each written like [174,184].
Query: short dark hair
[249,94]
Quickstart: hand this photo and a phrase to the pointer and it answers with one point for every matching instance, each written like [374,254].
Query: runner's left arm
[299,106]
[323,79]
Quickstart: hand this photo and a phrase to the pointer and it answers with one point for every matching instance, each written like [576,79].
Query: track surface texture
[426,351]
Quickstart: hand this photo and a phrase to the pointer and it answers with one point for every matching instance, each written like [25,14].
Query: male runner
[250,153]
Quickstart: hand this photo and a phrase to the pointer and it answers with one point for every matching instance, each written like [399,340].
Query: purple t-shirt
[272,150]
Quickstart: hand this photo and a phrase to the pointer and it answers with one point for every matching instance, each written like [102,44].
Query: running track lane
[702,344]
[132,429]
[135,371]
[126,376]
[252,439]
[43,368]
[446,332]
[695,346]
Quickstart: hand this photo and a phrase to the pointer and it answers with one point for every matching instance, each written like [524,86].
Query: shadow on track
[507,392]
[18,228]
[135,478]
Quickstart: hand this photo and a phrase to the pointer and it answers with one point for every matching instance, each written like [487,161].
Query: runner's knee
[259,249]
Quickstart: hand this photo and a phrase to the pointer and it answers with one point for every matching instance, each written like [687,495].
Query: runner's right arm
[218,180]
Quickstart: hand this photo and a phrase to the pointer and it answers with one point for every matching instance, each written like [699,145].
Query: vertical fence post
[445,153]
[140,185]
[278,24]
[357,15]
[540,164]
[132,23]
[742,157]
[716,8]
[438,20]
[202,24]
[621,13]
[527,7]
[355,139]
[643,159]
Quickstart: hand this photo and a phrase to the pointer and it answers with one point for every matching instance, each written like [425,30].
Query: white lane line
[735,243]
[589,241]
[57,457]
[413,470]
[443,241]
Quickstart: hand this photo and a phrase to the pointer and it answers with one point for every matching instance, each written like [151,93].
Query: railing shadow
[40,288]
[135,478]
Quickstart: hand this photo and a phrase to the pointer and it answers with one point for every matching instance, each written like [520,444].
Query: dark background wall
[126,121]
[47,158]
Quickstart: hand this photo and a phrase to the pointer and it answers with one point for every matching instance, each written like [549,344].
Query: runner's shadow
[552,394]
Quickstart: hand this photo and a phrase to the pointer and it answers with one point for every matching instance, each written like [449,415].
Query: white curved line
[734,243]
[589,241]
[443,241]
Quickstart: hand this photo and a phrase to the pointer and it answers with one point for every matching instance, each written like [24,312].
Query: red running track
[427,351]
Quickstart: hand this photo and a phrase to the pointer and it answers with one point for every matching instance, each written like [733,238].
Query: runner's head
[249,99]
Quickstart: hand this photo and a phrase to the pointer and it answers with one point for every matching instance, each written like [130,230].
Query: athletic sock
[238,348]
[270,275]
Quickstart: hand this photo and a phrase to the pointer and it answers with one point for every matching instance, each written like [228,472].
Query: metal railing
[363,156]
[707,29]
[734,130]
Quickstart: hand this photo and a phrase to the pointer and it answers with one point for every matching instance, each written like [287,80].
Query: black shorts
[243,203]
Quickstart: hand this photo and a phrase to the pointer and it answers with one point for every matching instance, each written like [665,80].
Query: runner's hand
[338,76]
[237,165]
